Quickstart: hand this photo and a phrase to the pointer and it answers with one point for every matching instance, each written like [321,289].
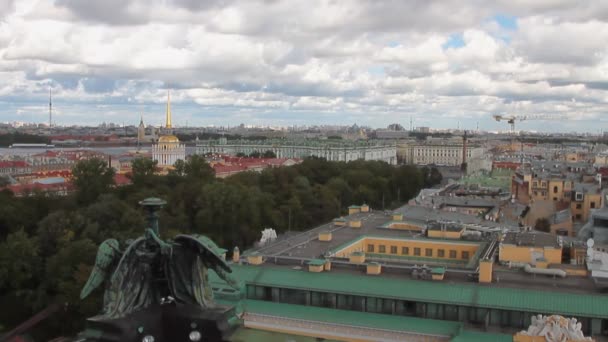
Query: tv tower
[50,108]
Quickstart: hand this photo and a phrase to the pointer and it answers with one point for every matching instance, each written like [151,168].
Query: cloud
[317,61]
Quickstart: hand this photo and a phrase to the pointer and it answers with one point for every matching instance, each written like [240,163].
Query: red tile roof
[13,164]
[19,189]
[120,179]
[220,169]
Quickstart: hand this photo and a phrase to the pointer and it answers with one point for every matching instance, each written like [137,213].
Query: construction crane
[511,119]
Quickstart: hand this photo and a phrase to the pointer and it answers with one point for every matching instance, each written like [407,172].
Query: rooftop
[532,239]
[543,299]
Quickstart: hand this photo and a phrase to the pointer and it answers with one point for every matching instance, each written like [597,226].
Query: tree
[269,154]
[542,224]
[255,154]
[432,176]
[92,178]
[20,268]
[197,168]
[19,261]
[143,169]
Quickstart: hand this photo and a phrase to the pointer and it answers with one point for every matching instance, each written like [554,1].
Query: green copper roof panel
[438,270]
[254,335]
[362,319]
[551,302]
[474,336]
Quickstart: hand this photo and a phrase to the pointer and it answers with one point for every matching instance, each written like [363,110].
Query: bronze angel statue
[152,271]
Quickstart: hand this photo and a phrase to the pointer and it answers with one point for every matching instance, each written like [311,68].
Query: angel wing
[131,285]
[107,255]
[188,265]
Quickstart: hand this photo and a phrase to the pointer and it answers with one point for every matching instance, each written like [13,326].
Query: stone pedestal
[168,322]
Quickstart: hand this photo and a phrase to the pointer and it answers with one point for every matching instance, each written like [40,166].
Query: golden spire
[168,123]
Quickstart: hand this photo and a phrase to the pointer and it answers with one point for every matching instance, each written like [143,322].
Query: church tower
[168,113]
[141,131]
[168,150]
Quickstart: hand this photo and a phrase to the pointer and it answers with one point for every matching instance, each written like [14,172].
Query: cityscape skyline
[359,62]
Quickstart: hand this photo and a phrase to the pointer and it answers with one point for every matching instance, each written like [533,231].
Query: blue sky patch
[376,70]
[454,41]
[508,22]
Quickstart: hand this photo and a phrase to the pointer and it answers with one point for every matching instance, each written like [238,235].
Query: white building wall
[166,154]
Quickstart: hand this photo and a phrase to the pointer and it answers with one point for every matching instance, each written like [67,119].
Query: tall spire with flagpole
[168,123]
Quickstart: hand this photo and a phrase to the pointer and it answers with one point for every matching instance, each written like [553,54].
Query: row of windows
[428,252]
[457,313]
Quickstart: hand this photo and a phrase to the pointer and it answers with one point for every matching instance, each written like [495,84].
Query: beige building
[437,151]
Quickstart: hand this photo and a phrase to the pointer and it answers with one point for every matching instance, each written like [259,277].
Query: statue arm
[164,247]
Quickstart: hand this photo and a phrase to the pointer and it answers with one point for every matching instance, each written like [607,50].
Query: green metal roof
[438,270]
[534,301]
[371,320]
[474,336]
[355,318]
[254,335]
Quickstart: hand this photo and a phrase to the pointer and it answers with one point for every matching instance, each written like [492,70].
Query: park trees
[48,244]
[92,178]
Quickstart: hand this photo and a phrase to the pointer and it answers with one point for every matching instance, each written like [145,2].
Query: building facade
[329,149]
[168,149]
[438,152]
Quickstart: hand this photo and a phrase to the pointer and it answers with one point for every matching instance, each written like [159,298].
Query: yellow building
[411,248]
[354,209]
[530,248]
[404,225]
[444,231]
[586,197]
[485,271]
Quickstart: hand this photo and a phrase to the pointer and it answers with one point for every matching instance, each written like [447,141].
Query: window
[417,251]
[465,255]
[405,250]
[579,206]
[441,253]
[453,254]
[554,198]
[393,249]
[592,205]
[578,216]
[428,252]
[382,249]
[554,189]
[370,248]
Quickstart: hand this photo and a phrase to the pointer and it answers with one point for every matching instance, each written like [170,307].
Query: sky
[440,63]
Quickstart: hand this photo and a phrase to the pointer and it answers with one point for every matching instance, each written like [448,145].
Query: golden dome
[168,139]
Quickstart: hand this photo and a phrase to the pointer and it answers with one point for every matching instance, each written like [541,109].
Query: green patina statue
[152,271]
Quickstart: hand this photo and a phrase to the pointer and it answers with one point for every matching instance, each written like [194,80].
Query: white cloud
[369,61]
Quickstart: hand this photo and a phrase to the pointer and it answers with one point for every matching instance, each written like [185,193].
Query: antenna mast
[50,107]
